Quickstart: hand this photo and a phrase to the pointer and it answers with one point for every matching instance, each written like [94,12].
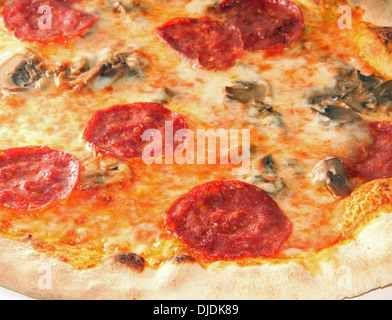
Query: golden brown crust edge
[374,34]
[375,47]
[335,273]
[346,270]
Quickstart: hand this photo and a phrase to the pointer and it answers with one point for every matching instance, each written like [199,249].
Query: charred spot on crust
[131,260]
[384,186]
[384,34]
[28,238]
[183,259]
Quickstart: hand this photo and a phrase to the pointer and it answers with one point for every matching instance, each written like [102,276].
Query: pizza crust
[349,269]
[375,47]
[377,12]
[374,34]
[345,270]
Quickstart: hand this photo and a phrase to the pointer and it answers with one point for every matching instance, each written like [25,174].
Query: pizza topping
[264,24]
[331,174]
[360,99]
[370,81]
[378,163]
[103,173]
[337,115]
[183,259]
[383,92]
[264,175]
[210,44]
[118,130]
[162,95]
[80,76]
[21,72]
[244,92]
[26,19]
[31,178]
[229,220]
[131,260]
[128,6]
[109,69]
[359,94]
[264,115]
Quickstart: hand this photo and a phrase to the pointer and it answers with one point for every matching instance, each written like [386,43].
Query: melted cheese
[129,217]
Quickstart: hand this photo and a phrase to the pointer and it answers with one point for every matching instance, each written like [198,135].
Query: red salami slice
[264,24]
[229,220]
[119,130]
[33,177]
[31,20]
[378,163]
[208,43]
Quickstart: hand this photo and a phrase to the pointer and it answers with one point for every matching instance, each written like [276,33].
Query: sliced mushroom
[270,185]
[128,6]
[21,72]
[265,115]
[331,174]
[88,76]
[383,92]
[244,92]
[356,94]
[265,176]
[360,99]
[370,81]
[269,165]
[101,173]
[338,115]
[347,87]
[118,65]
[162,95]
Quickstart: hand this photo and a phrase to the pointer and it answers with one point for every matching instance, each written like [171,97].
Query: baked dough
[374,36]
[360,263]
[350,268]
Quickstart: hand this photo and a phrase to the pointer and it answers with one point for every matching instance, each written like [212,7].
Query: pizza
[195,149]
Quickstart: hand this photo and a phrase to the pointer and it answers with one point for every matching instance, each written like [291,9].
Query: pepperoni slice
[119,130]
[33,177]
[264,24]
[229,220]
[31,21]
[209,43]
[378,163]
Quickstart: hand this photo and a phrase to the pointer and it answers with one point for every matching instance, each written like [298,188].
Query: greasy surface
[264,24]
[209,43]
[127,217]
[24,19]
[32,178]
[118,130]
[215,220]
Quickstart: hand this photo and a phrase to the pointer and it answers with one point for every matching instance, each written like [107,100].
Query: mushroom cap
[20,72]
[331,174]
